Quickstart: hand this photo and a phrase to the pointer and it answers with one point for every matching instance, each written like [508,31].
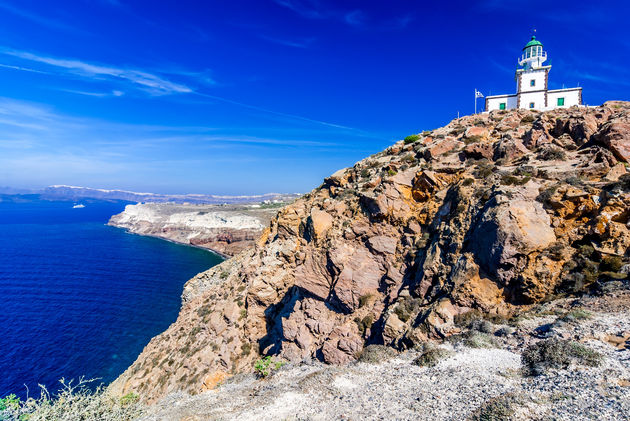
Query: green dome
[532,43]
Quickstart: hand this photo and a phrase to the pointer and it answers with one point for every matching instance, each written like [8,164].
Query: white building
[532,80]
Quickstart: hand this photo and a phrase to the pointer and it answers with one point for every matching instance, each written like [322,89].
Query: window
[560,102]
[531,105]
[532,82]
[502,106]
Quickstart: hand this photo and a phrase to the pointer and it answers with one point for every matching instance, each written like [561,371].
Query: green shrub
[577,314]
[430,355]
[465,319]
[472,139]
[10,402]
[556,251]
[204,310]
[478,340]
[528,119]
[457,130]
[265,366]
[511,180]
[129,399]
[574,180]
[468,181]
[501,408]
[364,324]
[406,307]
[484,169]
[365,299]
[411,139]
[611,264]
[474,339]
[586,250]
[374,354]
[483,326]
[552,154]
[554,353]
[545,196]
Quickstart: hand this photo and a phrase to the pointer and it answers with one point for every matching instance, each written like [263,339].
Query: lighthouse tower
[532,77]
[532,80]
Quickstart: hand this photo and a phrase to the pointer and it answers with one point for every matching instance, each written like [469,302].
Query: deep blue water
[79,298]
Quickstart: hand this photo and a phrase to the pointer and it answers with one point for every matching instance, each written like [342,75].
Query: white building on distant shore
[532,79]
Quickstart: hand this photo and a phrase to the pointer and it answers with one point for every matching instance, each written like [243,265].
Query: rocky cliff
[225,229]
[491,213]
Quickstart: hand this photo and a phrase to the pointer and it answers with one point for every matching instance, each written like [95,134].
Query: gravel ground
[464,382]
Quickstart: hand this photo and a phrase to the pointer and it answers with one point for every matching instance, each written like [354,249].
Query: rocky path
[469,383]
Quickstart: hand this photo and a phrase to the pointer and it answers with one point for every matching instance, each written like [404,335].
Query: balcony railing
[542,56]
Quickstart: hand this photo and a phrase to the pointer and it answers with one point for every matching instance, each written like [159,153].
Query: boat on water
[78,206]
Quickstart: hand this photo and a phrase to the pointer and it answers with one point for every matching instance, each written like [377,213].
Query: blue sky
[246,97]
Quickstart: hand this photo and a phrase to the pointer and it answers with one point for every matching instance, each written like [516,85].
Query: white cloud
[146,81]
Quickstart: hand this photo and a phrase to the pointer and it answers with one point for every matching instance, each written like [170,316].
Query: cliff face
[490,213]
[226,229]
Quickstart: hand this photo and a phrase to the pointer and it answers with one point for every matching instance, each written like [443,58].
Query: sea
[79,298]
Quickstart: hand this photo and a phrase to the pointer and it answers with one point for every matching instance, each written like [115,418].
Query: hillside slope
[490,213]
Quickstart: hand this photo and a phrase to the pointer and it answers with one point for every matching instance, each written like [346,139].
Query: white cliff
[225,229]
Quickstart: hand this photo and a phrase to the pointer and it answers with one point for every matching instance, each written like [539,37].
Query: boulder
[342,346]
[440,148]
[319,223]
[479,151]
[359,275]
[383,244]
[477,132]
[509,149]
[616,137]
[507,230]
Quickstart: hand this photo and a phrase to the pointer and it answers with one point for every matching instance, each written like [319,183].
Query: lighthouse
[532,85]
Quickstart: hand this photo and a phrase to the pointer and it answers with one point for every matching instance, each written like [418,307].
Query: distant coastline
[223,229]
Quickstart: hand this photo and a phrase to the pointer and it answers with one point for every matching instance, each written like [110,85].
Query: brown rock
[214,379]
[383,244]
[399,260]
[507,230]
[616,172]
[476,131]
[510,149]
[359,275]
[445,146]
[342,347]
[313,276]
[426,184]
[319,223]
[616,137]
[479,151]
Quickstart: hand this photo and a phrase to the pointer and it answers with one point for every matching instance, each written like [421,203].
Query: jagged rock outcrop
[396,247]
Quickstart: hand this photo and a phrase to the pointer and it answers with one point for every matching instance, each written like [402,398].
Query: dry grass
[74,402]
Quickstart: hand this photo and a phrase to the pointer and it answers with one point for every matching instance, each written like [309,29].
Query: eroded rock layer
[492,212]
